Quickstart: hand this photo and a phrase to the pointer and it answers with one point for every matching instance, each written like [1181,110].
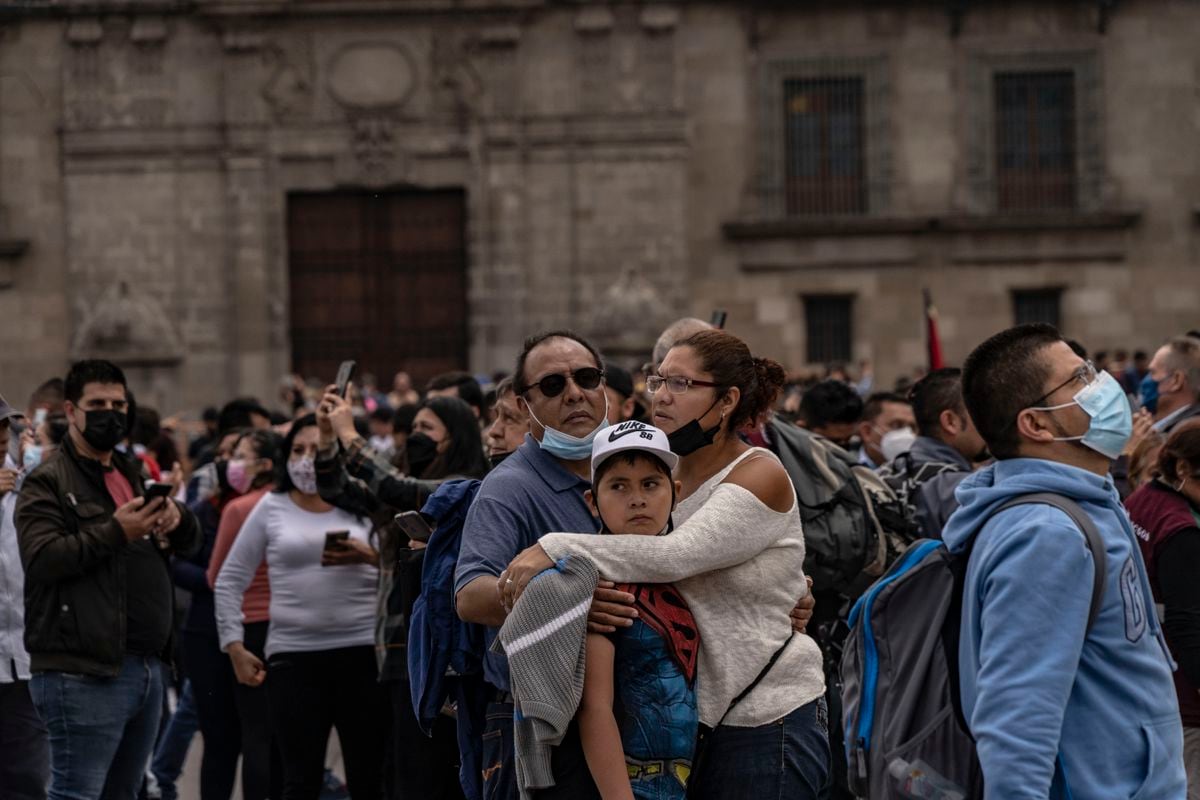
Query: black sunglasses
[553,385]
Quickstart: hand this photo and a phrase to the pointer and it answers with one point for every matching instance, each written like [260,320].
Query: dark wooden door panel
[378,277]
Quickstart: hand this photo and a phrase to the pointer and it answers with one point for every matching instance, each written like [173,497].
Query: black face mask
[421,451]
[692,437]
[104,429]
[497,459]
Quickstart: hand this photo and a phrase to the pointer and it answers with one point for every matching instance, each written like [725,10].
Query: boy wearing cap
[643,747]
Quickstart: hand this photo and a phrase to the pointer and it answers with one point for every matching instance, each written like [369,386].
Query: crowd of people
[421,573]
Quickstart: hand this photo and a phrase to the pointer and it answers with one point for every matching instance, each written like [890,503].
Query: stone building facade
[216,192]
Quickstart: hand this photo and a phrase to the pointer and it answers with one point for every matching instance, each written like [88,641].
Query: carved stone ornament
[126,328]
[629,316]
[372,75]
[373,142]
[288,89]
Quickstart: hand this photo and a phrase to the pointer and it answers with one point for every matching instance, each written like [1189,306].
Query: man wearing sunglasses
[1063,697]
[559,384]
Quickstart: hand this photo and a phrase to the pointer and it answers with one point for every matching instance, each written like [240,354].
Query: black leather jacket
[74,556]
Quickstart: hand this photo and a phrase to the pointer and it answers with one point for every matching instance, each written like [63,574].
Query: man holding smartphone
[98,593]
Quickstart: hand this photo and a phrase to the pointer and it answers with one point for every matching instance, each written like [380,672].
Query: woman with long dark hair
[320,667]
[445,443]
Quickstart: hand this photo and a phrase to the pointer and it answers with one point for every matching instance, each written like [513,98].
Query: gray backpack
[900,690]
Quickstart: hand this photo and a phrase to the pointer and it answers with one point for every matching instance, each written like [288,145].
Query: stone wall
[613,158]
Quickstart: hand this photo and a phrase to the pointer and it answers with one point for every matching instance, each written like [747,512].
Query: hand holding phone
[345,374]
[414,525]
[156,490]
[334,539]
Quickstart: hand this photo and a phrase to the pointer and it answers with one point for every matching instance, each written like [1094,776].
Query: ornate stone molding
[126,327]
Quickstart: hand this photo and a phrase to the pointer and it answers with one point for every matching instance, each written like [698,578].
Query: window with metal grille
[1038,305]
[823,146]
[829,324]
[1035,140]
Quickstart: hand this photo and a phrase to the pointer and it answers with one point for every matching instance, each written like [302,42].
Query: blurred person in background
[403,393]
[25,763]
[1165,513]
[461,385]
[1143,461]
[509,426]
[618,385]
[445,444]
[320,668]
[889,417]
[677,331]
[209,418]
[1132,378]
[832,409]
[402,424]
[252,469]
[48,398]
[1171,389]
[380,423]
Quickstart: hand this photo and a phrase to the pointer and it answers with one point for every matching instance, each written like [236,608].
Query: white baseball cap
[632,435]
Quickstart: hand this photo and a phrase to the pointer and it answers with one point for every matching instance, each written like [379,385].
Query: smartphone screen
[156,490]
[345,374]
[334,538]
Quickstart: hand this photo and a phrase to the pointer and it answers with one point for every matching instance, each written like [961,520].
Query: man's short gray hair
[1183,355]
[677,331]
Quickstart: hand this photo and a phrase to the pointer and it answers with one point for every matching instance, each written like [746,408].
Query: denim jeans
[172,749]
[102,730]
[788,758]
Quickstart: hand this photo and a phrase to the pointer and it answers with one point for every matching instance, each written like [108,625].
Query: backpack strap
[1084,522]
[757,680]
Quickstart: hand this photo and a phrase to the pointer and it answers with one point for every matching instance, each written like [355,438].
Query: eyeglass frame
[567,376]
[1085,369]
[689,383]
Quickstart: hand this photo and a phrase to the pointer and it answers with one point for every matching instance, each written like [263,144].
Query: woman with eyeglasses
[319,670]
[737,558]
[1166,516]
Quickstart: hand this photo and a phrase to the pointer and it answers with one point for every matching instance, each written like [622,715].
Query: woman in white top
[320,669]
[736,556]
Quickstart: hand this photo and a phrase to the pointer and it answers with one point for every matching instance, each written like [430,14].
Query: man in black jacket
[99,602]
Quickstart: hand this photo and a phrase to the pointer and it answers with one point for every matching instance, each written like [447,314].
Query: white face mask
[303,472]
[897,442]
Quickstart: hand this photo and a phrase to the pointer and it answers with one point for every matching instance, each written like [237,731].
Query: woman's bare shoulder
[762,475]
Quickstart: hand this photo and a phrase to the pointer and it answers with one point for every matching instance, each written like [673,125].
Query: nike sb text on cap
[632,435]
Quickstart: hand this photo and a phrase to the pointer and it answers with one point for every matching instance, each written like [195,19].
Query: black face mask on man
[421,451]
[104,429]
[692,437]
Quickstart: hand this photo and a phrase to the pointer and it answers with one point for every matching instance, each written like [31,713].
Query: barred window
[824,131]
[829,324]
[1035,140]
[1038,305]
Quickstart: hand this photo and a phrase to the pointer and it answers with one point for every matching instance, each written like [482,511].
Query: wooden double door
[380,277]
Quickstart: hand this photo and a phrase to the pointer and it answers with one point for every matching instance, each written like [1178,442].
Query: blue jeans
[173,746]
[788,758]
[102,730]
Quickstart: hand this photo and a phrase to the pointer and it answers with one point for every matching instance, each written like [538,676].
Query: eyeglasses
[587,378]
[676,384]
[1086,373]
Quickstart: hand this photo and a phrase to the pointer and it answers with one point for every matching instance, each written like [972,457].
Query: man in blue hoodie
[1057,710]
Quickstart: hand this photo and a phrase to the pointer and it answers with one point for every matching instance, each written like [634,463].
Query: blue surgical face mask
[568,447]
[1111,419]
[31,458]
[1148,392]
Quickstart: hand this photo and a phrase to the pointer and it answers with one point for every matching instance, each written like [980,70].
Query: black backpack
[854,524]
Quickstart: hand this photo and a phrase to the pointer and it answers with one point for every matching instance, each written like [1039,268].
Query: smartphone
[718,319]
[345,374]
[155,490]
[333,539]
[415,525]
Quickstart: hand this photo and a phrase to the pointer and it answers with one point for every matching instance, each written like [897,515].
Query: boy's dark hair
[94,370]
[1004,376]
[283,481]
[520,380]
[875,403]
[469,390]
[629,458]
[936,392]
[830,402]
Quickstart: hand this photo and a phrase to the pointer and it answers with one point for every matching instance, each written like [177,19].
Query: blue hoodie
[1054,713]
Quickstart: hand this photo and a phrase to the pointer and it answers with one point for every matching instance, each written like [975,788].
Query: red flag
[933,343]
